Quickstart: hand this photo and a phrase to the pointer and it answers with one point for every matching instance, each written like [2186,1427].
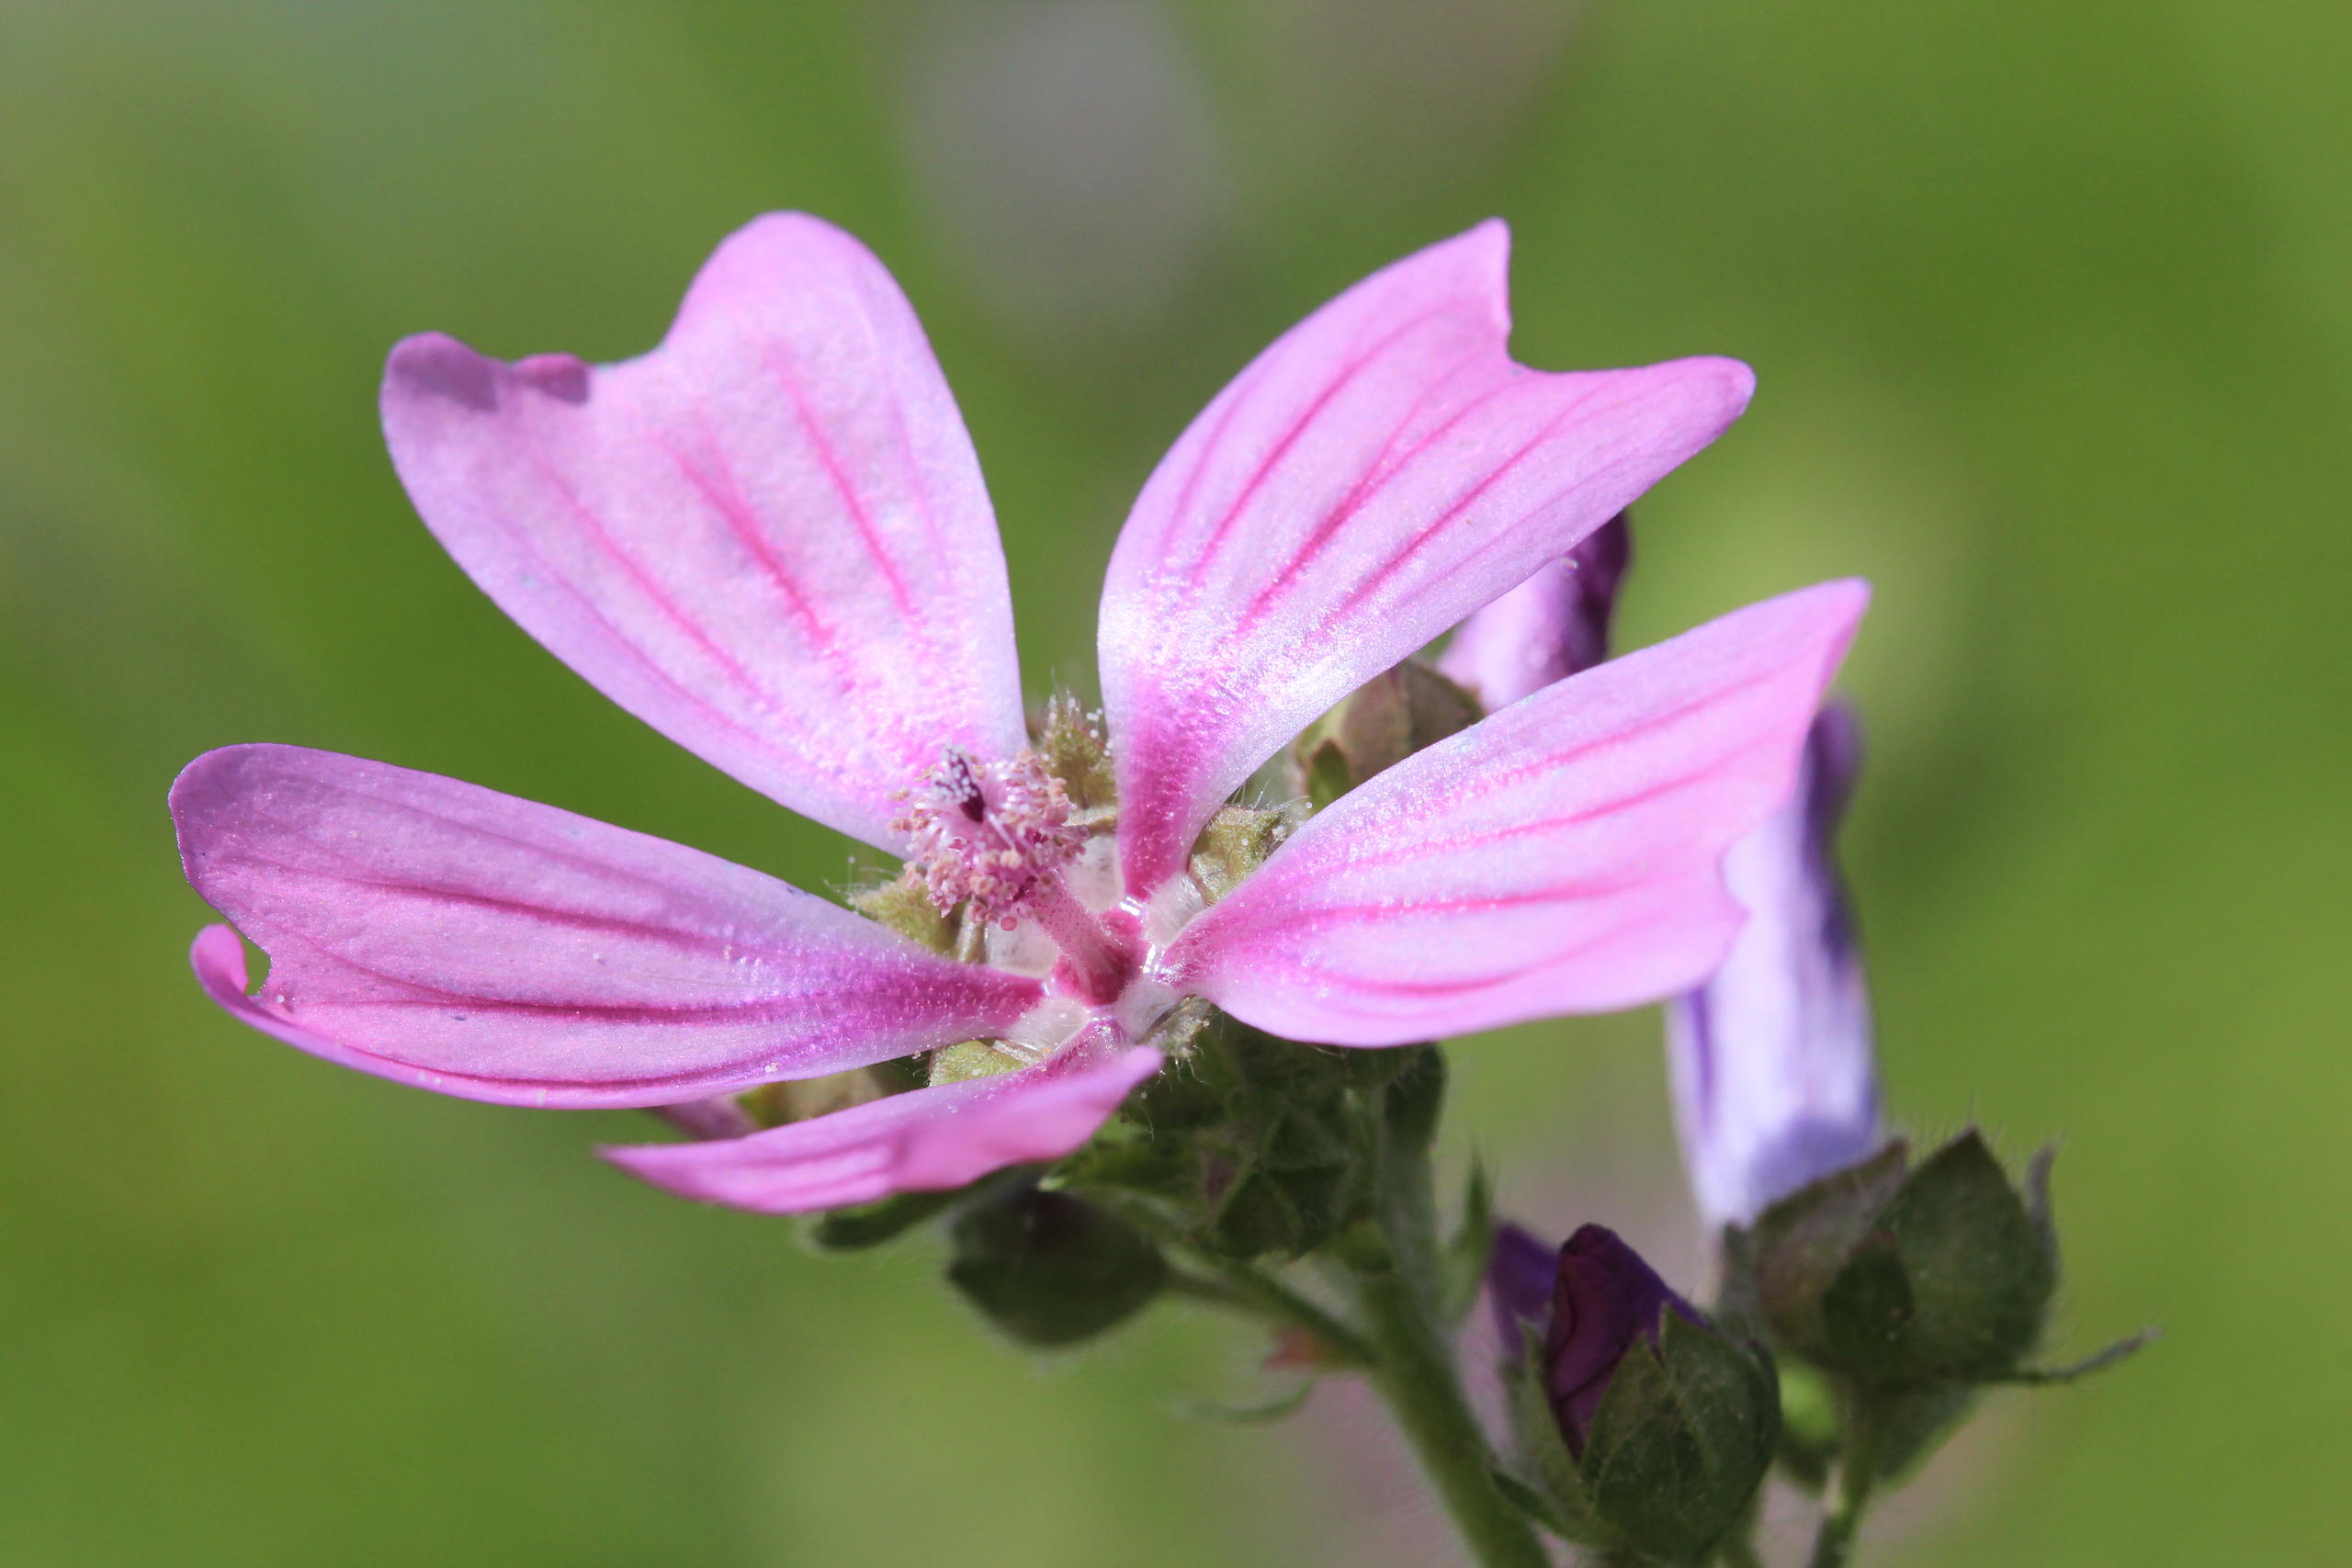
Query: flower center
[994,837]
[985,834]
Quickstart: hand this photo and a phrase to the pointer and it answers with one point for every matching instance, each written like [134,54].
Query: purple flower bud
[1548,628]
[1603,1297]
[1772,1062]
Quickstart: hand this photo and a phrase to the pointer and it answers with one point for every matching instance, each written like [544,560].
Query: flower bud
[1771,1058]
[1649,1428]
[1548,628]
[1379,724]
[1049,1269]
[1604,1296]
[1898,1277]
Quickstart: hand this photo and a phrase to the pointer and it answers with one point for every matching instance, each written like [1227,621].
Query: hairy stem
[1858,1469]
[1417,1374]
[1243,1287]
[1247,1288]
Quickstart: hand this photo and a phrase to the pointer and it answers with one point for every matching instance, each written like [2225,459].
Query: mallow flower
[1771,1059]
[768,539]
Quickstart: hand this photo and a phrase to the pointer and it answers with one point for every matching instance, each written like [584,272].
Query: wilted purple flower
[1548,628]
[1770,1059]
[1592,1299]
[768,538]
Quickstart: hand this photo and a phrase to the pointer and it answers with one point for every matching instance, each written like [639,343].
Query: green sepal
[1071,745]
[1682,1441]
[1414,1098]
[2036,1203]
[1952,1284]
[1543,1464]
[1049,1269]
[2122,1349]
[788,1100]
[1255,1143]
[1784,1266]
[904,905]
[968,1059]
[1471,1244]
[1530,1500]
[871,1224]
[1325,775]
[1237,841]
[1913,1422]
[1383,722]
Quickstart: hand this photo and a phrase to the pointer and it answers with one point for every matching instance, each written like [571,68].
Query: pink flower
[768,539]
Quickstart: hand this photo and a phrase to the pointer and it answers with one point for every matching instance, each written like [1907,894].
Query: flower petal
[767,538]
[1560,856]
[1774,1085]
[1379,473]
[1548,628]
[926,1140]
[464,941]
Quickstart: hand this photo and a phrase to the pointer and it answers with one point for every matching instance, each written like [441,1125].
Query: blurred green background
[2053,311]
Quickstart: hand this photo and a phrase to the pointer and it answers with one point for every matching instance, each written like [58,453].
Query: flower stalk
[1858,1472]
[1417,1374]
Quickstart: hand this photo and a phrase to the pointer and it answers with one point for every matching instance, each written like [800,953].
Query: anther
[985,833]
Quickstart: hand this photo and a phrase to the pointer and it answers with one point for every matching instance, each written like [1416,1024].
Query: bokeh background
[2052,311]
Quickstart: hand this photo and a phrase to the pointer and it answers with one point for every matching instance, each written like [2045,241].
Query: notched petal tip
[218,956]
[1482,252]
[766,536]
[1379,473]
[435,366]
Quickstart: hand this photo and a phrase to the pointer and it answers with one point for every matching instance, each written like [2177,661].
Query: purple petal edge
[1771,1058]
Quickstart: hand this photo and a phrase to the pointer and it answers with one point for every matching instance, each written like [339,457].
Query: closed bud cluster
[1896,1276]
[1646,1429]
